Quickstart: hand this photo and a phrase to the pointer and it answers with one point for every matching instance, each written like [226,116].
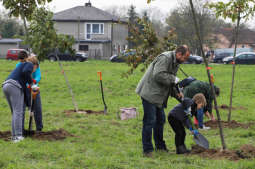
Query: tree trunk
[68,84]
[234,67]
[26,30]
[208,74]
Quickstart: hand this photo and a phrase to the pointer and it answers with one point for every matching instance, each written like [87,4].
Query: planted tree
[44,38]
[234,10]
[208,74]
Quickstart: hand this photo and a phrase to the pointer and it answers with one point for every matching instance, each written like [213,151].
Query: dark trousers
[153,119]
[37,109]
[38,112]
[179,130]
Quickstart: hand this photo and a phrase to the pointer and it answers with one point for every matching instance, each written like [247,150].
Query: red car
[12,54]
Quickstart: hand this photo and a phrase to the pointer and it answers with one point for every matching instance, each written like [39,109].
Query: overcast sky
[158,6]
[164,5]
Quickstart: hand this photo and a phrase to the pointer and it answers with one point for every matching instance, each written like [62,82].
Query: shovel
[102,91]
[199,138]
[31,113]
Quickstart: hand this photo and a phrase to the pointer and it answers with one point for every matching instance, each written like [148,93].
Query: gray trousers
[15,99]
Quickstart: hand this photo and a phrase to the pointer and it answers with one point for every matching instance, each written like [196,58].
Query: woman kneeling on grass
[14,89]
[178,117]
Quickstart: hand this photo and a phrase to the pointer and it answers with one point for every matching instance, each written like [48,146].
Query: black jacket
[178,112]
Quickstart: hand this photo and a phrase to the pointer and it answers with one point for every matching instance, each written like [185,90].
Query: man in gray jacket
[157,84]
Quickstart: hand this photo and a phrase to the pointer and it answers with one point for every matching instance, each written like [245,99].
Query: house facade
[6,44]
[96,32]
[225,38]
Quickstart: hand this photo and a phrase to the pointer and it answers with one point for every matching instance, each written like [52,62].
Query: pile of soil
[225,124]
[226,107]
[246,152]
[83,112]
[49,135]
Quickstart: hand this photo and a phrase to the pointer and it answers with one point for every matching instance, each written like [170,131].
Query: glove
[195,132]
[34,87]
[188,111]
[34,81]
[176,80]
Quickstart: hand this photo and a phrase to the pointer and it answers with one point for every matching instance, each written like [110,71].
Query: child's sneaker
[204,128]
[17,139]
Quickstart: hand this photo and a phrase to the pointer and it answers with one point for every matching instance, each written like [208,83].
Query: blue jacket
[35,75]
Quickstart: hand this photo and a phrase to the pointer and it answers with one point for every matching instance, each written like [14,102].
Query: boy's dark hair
[22,55]
[183,49]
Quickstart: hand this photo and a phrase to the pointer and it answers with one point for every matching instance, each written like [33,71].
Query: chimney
[88,4]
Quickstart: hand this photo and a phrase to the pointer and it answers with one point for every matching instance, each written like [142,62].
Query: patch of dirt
[225,124]
[68,112]
[53,135]
[6,135]
[246,152]
[226,107]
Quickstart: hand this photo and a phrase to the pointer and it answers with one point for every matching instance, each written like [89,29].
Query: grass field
[107,142]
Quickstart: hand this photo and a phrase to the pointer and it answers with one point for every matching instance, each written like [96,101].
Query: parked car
[67,56]
[241,58]
[220,54]
[194,59]
[122,57]
[12,54]
[218,57]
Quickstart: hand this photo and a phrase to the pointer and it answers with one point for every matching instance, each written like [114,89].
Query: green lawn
[107,142]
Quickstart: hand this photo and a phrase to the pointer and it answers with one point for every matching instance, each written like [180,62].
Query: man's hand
[210,116]
[180,95]
[176,80]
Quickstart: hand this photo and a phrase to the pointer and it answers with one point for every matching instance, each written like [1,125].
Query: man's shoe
[17,139]
[162,149]
[148,154]
[204,128]
[181,150]
[187,150]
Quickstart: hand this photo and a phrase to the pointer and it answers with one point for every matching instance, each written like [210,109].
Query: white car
[227,60]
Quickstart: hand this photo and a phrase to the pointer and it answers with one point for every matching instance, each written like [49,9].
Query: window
[251,56]
[242,57]
[84,47]
[94,28]
[13,51]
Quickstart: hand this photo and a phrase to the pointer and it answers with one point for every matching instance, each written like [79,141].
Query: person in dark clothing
[179,116]
[197,86]
[14,88]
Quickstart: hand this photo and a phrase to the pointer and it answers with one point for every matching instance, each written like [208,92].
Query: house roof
[85,13]
[10,40]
